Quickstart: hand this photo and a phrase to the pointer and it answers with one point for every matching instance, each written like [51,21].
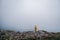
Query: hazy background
[22,15]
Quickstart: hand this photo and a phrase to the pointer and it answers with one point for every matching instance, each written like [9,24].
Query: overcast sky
[22,15]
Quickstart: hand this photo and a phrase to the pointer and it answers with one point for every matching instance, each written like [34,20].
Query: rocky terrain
[29,35]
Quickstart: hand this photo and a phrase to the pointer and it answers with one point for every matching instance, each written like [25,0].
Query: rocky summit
[29,35]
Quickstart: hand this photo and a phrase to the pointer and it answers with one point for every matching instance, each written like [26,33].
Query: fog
[22,15]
